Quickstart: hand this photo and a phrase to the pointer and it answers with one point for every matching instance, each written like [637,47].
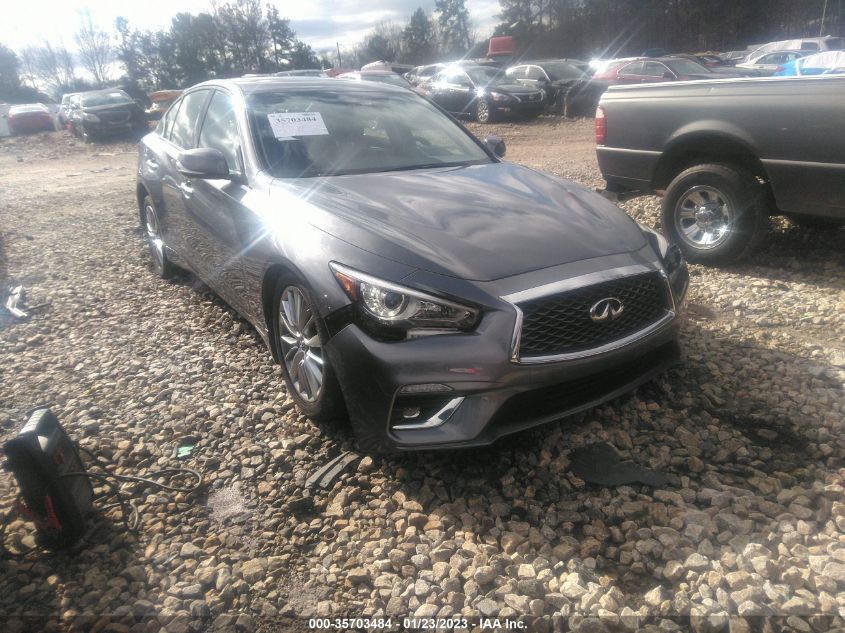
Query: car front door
[214,208]
[176,188]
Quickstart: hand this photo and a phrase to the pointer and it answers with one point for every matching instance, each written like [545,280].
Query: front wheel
[483,113]
[714,212]
[300,334]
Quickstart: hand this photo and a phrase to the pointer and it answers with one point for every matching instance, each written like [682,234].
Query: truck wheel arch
[699,147]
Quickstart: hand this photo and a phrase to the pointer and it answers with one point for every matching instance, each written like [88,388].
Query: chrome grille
[561,323]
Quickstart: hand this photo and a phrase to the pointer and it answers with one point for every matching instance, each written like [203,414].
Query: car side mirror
[203,162]
[495,145]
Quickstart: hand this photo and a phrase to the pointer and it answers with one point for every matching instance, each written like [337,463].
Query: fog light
[409,413]
[433,387]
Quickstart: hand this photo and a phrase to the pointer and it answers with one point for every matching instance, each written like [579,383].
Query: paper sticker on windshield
[289,124]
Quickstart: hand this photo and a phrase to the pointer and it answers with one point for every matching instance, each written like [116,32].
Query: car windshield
[686,67]
[321,133]
[484,76]
[105,98]
[565,70]
[393,80]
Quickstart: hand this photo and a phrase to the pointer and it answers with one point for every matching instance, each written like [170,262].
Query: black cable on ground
[130,513]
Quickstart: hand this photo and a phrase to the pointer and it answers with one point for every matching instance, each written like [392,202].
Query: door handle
[187,188]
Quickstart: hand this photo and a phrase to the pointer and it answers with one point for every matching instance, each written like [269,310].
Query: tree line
[244,36]
[616,28]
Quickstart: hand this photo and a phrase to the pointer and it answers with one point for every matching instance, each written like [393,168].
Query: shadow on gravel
[107,560]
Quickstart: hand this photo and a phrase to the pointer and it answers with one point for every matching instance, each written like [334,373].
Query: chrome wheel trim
[301,346]
[704,217]
[153,237]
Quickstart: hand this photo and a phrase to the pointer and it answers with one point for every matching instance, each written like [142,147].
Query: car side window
[535,72]
[634,68]
[220,129]
[654,69]
[186,119]
[516,72]
[163,127]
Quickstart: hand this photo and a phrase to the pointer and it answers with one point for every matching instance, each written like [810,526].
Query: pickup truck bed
[781,140]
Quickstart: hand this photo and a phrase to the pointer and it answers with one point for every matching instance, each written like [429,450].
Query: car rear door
[176,188]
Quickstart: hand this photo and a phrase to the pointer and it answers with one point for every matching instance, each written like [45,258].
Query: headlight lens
[88,116]
[401,308]
[670,254]
[498,96]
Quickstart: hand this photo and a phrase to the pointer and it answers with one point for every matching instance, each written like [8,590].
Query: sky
[319,23]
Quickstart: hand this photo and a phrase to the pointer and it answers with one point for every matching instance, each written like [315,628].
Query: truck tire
[714,212]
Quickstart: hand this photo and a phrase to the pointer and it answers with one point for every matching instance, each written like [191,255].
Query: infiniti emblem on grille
[606,310]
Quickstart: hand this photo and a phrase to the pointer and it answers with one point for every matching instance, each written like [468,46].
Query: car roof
[253,85]
[540,62]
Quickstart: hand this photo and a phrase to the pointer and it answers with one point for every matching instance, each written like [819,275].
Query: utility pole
[824,14]
[340,65]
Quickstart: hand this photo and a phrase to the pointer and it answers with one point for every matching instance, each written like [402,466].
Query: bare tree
[47,66]
[95,49]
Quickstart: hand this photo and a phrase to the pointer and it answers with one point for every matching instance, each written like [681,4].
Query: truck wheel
[815,222]
[714,212]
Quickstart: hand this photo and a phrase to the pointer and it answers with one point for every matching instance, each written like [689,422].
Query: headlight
[670,254]
[498,96]
[88,116]
[399,308]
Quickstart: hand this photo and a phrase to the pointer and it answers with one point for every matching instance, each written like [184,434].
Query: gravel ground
[749,432]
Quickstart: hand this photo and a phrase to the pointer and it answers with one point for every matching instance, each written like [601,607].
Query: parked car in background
[378,76]
[808,44]
[159,102]
[484,92]
[724,155]
[646,70]
[556,77]
[400,272]
[827,63]
[419,76]
[30,118]
[768,63]
[64,107]
[306,72]
[105,113]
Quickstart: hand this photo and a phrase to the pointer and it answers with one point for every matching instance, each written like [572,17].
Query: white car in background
[768,63]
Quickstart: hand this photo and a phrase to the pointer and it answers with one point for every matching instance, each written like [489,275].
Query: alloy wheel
[153,236]
[483,114]
[301,345]
[704,217]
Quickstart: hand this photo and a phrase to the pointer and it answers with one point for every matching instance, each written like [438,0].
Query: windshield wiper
[374,170]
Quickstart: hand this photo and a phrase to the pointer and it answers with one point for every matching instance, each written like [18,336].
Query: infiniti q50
[404,276]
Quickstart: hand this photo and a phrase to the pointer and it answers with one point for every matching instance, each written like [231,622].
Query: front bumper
[489,394]
[523,108]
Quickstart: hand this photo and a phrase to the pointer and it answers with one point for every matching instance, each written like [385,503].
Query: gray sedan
[406,278]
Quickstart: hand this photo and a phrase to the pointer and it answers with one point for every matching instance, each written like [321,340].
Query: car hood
[479,223]
[111,107]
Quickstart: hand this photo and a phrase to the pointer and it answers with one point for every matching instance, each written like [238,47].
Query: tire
[161,264]
[714,212]
[299,332]
[817,223]
[483,113]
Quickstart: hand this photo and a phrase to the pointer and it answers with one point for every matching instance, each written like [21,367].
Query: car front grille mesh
[561,323]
